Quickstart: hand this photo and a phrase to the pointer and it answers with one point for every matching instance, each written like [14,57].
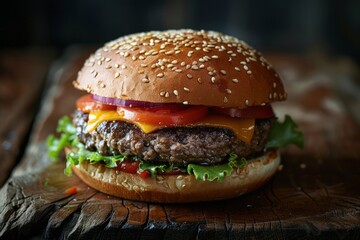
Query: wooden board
[22,74]
[315,195]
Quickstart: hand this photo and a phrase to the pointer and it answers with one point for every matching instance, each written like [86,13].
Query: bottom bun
[179,188]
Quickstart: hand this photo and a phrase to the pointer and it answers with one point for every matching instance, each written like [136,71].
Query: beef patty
[181,145]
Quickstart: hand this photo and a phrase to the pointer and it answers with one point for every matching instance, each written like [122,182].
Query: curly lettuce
[285,133]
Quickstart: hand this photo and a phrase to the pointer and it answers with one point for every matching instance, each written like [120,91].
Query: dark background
[329,27]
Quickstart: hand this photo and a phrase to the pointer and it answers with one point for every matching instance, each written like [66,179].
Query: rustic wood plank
[315,195]
[22,74]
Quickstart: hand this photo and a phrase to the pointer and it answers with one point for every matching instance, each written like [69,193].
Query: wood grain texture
[316,195]
[22,74]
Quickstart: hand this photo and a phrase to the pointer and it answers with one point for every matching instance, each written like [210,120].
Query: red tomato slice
[128,166]
[144,174]
[176,114]
[250,112]
[87,104]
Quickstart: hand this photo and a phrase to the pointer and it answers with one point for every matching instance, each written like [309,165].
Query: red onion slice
[127,103]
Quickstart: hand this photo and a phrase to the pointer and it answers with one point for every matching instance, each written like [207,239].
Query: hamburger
[175,116]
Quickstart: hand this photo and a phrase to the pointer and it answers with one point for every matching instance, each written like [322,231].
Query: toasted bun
[181,66]
[179,188]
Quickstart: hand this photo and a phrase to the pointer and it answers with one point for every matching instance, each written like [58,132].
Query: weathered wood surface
[316,195]
[22,74]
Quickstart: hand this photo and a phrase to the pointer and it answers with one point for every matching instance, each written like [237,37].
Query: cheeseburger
[175,116]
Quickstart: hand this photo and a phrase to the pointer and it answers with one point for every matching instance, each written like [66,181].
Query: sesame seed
[213,79]
[215,56]
[174,62]
[133,58]
[116,65]
[270,96]
[102,85]
[201,60]
[92,71]
[237,69]
[141,71]
[188,66]
[160,75]
[126,54]
[167,94]
[185,102]
[249,72]
[141,57]
[95,74]
[274,85]
[247,102]
[107,59]
[246,67]
[145,80]
[235,80]
[202,66]
[182,64]
[108,67]
[117,74]
[143,65]
[189,76]
[243,62]
[228,91]
[178,51]
[123,66]
[199,80]
[225,99]
[162,94]
[176,93]
[194,67]
[229,60]
[186,89]
[170,65]
[223,72]
[263,104]
[178,70]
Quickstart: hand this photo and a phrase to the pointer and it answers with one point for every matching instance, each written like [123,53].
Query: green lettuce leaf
[68,135]
[155,169]
[218,172]
[81,154]
[286,133]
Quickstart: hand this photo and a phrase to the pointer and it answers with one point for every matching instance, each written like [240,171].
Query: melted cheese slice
[243,128]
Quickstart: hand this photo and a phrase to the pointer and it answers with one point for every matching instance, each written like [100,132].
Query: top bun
[181,66]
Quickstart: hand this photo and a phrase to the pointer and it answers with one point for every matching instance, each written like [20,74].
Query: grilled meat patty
[181,145]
